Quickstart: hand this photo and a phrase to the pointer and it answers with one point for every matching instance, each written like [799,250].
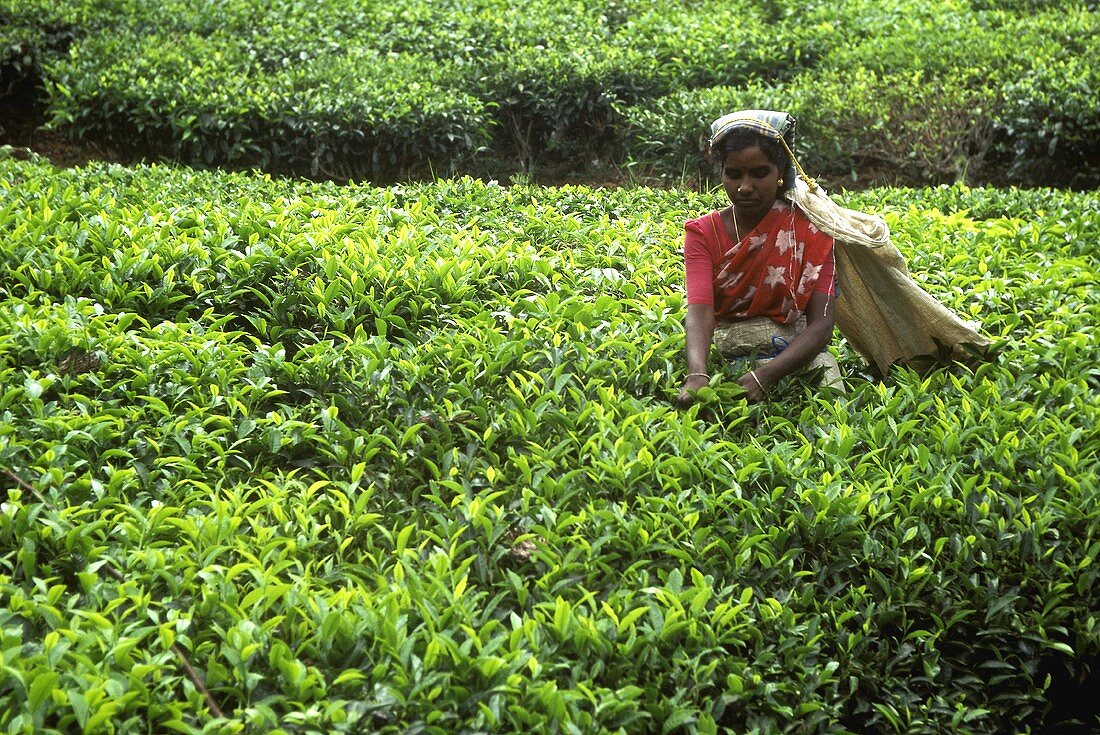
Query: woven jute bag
[760,339]
[882,312]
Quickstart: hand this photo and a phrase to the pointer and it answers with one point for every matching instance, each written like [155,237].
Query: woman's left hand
[755,387]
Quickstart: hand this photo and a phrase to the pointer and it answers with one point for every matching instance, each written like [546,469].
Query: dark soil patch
[22,125]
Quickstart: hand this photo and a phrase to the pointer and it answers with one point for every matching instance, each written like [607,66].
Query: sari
[884,314]
[760,286]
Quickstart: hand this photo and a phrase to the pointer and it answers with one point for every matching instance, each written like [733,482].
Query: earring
[779,182]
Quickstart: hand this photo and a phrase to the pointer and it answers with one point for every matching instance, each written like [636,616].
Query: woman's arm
[820,318]
[699,330]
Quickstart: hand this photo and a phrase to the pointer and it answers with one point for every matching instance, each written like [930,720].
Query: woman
[760,276]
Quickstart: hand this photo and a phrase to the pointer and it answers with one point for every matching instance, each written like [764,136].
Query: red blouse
[772,272]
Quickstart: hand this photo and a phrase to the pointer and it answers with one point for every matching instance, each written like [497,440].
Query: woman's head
[738,140]
[772,132]
[751,180]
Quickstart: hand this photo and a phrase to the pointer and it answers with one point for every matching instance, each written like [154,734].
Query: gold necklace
[736,229]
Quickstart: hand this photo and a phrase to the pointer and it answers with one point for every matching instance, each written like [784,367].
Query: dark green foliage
[404,459]
[295,117]
[1051,124]
[931,94]
[897,92]
[850,125]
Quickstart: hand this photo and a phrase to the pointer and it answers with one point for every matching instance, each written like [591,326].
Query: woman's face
[751,180]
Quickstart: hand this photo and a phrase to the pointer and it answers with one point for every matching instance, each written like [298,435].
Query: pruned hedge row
[942,97]
[404,459]
[186,100]
[385,91]
[538,79]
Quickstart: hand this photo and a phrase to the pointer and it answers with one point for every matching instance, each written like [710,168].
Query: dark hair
[739,139]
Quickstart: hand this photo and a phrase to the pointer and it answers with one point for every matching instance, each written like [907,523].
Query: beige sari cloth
[759,339]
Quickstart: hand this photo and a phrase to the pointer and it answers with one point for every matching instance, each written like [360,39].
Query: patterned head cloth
[778,126]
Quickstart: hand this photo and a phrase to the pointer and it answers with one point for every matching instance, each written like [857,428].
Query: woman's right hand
[698,333]
[691,384]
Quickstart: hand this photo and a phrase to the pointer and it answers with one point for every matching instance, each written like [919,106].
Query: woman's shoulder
[803,224]
[701,233]
[782,206]
[699,224]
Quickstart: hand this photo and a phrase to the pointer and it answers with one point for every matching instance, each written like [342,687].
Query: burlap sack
[881,311]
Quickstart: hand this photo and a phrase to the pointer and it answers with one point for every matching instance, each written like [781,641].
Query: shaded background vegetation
[886,91]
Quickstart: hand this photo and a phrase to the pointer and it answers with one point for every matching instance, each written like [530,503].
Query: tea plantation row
[898,91]
[405,460]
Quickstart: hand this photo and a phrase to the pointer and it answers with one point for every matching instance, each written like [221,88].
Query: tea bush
[405,459]
[543,79]
[1051,120]
[949,91]
[298,117]
[934,96]
[850,125]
